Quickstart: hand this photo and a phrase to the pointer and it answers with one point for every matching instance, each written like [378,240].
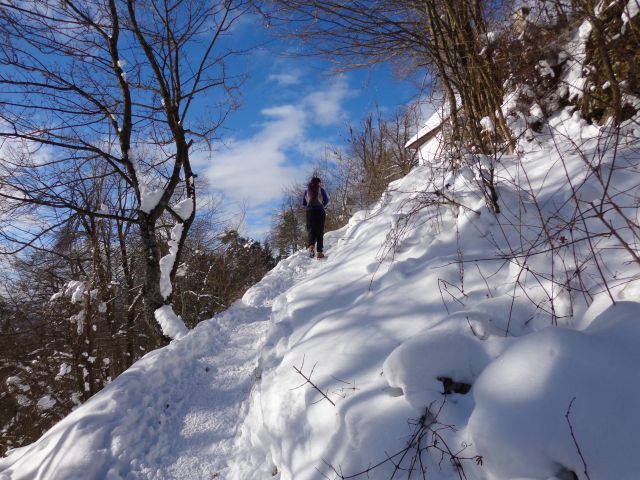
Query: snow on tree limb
[171,324]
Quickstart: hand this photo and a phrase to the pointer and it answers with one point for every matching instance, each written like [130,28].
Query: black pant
[315,228]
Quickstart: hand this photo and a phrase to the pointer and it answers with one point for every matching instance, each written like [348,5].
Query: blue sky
[292,109]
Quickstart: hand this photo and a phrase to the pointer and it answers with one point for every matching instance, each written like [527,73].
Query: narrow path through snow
[176,412]
[200,434]
[200,427]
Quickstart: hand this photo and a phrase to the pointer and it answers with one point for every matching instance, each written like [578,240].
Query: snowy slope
[413,301]
[380,331]
[173,414]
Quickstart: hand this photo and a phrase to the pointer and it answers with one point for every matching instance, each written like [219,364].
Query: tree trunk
[151,290]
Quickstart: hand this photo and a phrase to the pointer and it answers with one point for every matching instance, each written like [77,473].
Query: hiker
[315,199]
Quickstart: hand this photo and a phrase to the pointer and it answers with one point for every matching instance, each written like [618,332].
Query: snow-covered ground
[175,413]
[384,332]
[424,342]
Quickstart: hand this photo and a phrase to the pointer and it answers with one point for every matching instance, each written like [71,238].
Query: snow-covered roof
[430,128]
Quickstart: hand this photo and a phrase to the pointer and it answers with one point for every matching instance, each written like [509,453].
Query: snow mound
[561,400]
[421,366]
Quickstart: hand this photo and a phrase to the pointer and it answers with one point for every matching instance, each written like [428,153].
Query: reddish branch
[426,436]
[575,441]
[309,382]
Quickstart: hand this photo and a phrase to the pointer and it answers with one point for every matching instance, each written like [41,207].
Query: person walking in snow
[315,199]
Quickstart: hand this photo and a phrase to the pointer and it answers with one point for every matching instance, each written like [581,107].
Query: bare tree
[448,40]
[397,131]
[287,232]
[107,89]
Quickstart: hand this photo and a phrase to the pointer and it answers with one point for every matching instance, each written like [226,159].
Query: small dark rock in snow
[450,386]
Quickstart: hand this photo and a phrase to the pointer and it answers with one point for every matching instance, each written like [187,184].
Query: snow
[575,79]
[442,353]
[418,320]
[184,208]
[149,195]
[544,69]
[16,382]
[379,338]
[45,403]
[23,401]
[56,296]
[103,210]
[585,30]
[536,112]
[181,271]
[631,10]
[75,290]
[487,125]
[171,324]
[522,400]
[79,319]
[64,370]
[167,262]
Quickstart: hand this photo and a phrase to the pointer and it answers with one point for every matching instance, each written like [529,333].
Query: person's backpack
[313,198]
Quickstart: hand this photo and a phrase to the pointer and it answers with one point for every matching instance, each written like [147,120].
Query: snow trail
[198,437]
[175,413]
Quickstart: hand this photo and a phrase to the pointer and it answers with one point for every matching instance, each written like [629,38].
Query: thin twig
[308,381]
[575,441]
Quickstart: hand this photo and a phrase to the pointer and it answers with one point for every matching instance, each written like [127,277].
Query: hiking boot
[312,251]
[320,255]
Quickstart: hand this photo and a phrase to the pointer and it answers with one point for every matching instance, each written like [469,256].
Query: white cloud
[252,172]
[326,105]
[285,79]
[313,148]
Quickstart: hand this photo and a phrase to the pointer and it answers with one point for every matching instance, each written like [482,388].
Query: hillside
[432,342]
